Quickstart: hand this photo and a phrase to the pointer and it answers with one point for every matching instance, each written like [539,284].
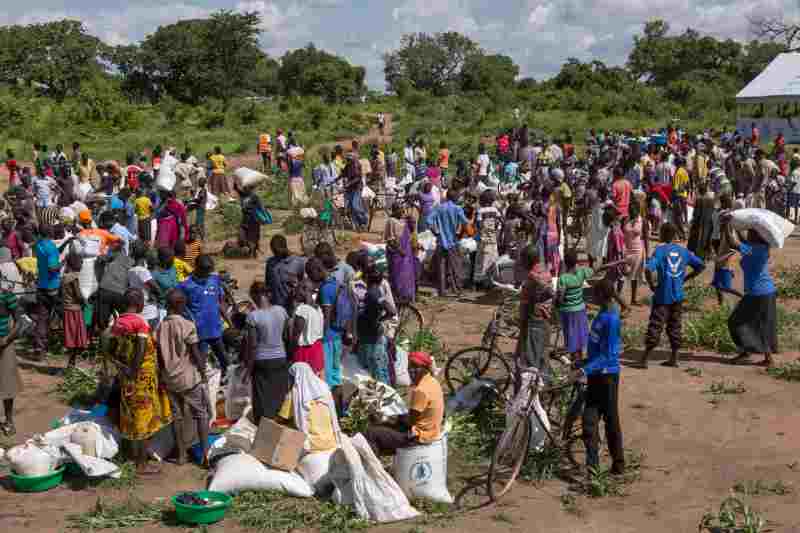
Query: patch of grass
[77,386]
[787,371]
[763,488]
[695,295]
[542,465]
[694,372]
[602,483]
[787,281]
[436,514]
[117,515]
[709,330]
[724,387]
[127,478]
[734,516]
[293,224]
[272,511]
[570,504]
[633,335]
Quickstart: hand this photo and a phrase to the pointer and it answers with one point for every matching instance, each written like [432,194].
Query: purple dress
[403,265]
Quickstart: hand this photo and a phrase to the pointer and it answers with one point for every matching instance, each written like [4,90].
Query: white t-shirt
[314,324]
[138,277]
[483,164]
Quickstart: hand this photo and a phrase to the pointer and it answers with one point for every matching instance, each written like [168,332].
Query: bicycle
[562,406]
[486,361]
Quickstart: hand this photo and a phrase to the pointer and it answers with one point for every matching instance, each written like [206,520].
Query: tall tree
[311,71]
[777,28]
[429,62]
[55,55]
[484,72]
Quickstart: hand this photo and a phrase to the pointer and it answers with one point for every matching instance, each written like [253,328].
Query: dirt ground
[694,451]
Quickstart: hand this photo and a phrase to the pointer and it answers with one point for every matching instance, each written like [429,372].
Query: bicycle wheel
[410,322]
[508,457]
[475,363]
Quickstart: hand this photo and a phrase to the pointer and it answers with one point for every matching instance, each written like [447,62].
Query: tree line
[190,61]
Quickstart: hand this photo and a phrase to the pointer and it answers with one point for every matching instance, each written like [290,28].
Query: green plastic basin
[203,514]
[38,483]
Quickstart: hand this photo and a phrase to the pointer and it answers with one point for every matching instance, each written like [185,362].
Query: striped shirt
[192,251]
[8,301]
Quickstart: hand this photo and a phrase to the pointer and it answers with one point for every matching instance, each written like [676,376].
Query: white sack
[242,472]
[362,482]
[91,466]
[248,177]
[772,227]
[238,392]
[211,201]
[166,178]
[469,396]
[96,437]
[421,471]
[518,406]
[30,460]
[402,377]
[315,469]
[243,433]
[468,245]
[214,379]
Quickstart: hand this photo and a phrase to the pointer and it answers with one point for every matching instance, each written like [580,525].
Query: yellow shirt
[218,164]
[182,269]
[427,398]
[320,425]
[143,207]
[680,183]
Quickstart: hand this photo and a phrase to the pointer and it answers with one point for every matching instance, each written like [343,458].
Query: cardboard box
[278,446]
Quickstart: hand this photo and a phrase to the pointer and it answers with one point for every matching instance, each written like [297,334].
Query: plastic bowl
[38,483]
[203,514]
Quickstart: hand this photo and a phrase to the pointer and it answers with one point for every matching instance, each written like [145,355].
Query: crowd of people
[114,256]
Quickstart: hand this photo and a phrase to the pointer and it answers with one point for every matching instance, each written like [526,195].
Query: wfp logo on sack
[420,472]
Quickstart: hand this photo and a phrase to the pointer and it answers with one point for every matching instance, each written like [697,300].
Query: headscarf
[420,359]
[307,388]
[85,216]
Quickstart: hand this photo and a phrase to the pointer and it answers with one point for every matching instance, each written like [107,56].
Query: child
[372,343]
[534,318]
[76,338]
[489,225]
[194,247]
[11,165]
[200,200]
[601,370]
[723,266]
[182,268]
[571,305]
[308,322]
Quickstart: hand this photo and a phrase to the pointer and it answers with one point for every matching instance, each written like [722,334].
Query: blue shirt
[446,218]
[116,203]
[122,232]
[605,344]
[755,265]
[669,262]
[47,257]
[202,302]
[327,296]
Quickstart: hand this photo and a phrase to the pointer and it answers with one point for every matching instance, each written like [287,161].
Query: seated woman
[423,424]
[310,408]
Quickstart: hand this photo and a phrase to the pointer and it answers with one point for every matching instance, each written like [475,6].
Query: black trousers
[385,440]
[602,401]
[108,302]
[661,315]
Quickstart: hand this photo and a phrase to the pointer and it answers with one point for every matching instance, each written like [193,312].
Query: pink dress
[634,249]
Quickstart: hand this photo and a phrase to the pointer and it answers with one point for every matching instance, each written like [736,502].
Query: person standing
[666,273]
[76,338]
[204,297]
[680,196]
[636,231]
[281,271]
[265,151]
[10,379]
[753,322]
[601,370]
[144,405]
[445,220]
[372,343]
[219,183]
[621,191]
[398,235]
[183,373]
[48,263]
[113,284]
[265,354]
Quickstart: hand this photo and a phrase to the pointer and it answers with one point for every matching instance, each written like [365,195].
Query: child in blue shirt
[601,370]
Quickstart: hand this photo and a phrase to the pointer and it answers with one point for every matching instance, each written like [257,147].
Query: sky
[538,34]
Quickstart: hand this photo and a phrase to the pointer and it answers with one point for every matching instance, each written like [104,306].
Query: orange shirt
[427,398]
[106,238]
[444,158]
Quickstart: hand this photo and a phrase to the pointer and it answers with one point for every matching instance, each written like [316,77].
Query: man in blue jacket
[601,370]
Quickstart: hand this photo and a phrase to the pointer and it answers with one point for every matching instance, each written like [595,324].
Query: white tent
[779,82]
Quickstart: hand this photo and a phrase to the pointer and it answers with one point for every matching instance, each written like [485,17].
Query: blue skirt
[575,325]
[723,278]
